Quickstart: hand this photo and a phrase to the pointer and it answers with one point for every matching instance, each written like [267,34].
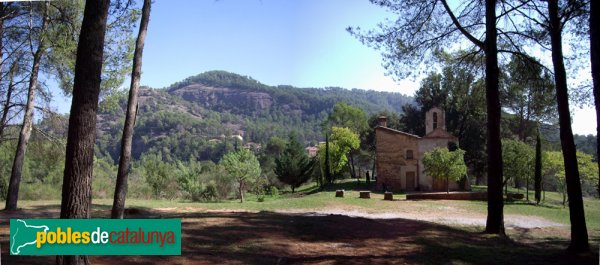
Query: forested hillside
[199,115]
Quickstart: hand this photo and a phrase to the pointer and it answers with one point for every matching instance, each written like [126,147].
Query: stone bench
[515,196]
[388,196]
[365,194]
[339,193]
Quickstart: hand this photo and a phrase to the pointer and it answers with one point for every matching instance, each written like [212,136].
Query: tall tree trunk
[522,125]
[77,181]
[368,179]
[123,171]
[527,188]
[495,217]
[595,59]
[25,133]
[352,169]
[2,13]
[543,193]
[538,169]
[579,236]
[241,191]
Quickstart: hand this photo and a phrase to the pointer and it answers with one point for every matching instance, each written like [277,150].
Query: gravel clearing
[442,217]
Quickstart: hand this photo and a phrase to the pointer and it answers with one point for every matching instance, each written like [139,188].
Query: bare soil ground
[449,216]
[334,236]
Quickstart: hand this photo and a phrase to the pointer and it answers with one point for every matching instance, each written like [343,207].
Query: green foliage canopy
[353,118]
[553,166]
[441,163]
[341,142]
[518,160]
[243,166]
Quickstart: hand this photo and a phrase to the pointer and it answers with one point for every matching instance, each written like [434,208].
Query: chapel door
[410,180]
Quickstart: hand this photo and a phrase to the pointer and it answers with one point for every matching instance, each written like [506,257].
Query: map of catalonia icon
[24,235]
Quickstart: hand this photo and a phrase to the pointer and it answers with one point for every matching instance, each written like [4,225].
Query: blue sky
[301,43]
[277,42]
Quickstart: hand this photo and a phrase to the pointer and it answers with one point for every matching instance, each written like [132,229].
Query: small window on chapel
[409,155]
[435,120]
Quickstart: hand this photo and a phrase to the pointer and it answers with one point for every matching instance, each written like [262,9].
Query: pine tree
[77,181]
[132,105]
[294,166]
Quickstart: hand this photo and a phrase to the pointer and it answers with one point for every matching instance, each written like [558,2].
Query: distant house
[312,151]
[237,136]
[253,146]
[399,154]
[214,141]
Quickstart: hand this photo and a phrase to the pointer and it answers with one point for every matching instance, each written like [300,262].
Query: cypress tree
[328,177]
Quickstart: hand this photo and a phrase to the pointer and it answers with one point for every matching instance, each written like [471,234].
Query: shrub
[3,189]
[224,183]
[159,176]
[274,191]
[209,193]
[203,181]
[39,191]
[259,187]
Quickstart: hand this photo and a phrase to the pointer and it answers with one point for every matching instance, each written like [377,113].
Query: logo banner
[95,236]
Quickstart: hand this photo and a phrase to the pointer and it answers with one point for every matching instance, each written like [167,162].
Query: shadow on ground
[274,238]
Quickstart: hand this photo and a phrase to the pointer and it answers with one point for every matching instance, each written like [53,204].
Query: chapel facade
[398,155]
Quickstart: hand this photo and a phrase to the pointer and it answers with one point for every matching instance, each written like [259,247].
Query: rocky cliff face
[184,119]
[219,97]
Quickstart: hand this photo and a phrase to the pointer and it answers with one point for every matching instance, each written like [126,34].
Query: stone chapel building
[399,155]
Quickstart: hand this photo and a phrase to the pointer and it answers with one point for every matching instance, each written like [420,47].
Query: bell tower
[434,118]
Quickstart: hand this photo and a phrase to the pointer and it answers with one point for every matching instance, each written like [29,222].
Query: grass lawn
[314,227]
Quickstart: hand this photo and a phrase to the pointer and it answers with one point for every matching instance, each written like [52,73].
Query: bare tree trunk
[538,168]
[595,59]
[26,127]
[2,13]
[77,181]
[522,125]
[242,191]
[495,217]
[122,174]
[579,235]
[352,169]
[527,188]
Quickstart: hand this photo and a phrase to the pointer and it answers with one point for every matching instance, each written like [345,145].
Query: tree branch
[474,40]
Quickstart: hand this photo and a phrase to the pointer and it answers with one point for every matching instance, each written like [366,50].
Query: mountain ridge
[195,116]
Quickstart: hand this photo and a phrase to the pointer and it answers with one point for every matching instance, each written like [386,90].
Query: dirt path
[441,217]
[447,215]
